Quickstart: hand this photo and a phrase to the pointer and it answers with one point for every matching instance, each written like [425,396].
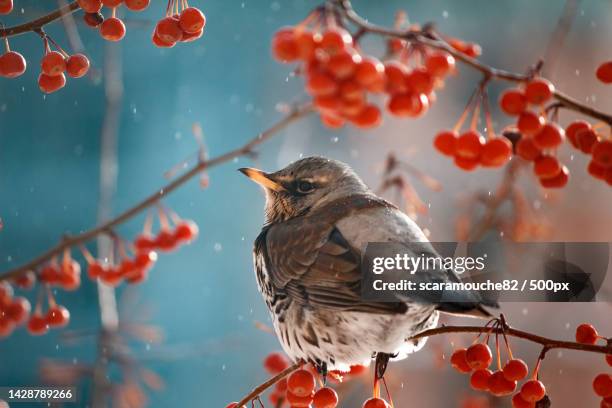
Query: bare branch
[38,23]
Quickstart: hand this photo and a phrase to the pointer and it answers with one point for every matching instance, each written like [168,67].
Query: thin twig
[509,331]
[38,23]
[246,149]
[257,391]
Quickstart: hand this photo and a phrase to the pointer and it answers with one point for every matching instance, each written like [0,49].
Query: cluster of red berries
[471,149]
[539,138]
[55,63]
[299,389]
[14,311]
[57,316]
[340,77]
[65,274]
[6,6]
[587,138]
[476,359]
[135,269]
[179,25]
[602,384]
[112,28]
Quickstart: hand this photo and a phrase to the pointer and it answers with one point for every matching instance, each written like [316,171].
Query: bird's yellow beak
[262,178]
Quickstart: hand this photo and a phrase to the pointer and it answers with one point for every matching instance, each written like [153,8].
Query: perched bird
[319,216]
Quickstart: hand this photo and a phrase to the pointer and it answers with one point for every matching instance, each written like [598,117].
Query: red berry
[284,45]
[465,163]
[499,385]
[369,71]
[94,270]
[307,43]
[574,128]
[161,43]
[192,20]
[604,72]
[90,6]
[58,316]
[369,117]
[18,310]
[25,280]
[301,383]
[586,334]
[496,152]
[53,63]
[530,123]
[602,153]
[526,149]
[189,37]
[375,403]
[596,170]
[37,324]
[519,402]
[137,5]
[533,391]
[478,356]
[6,6]
[325,398]
[145,259]
[469,145]
[459,362]
[112,29]
[77,65]
[546,166]
[275,363]
[6,326]
[335,40]
[513,101]
[395,77]
[186,231]
[320,83]
[50,84]
[12,64]
[439,63]
[297,401]
[344,63]
[408,105]
[169,30]
[587,140]
[551,135]
[602,385]
[165,240]
[515,370]
[445,142]
[539,90]
[420,81]
[144,242]
[93,19]
[479,380]
[560,180]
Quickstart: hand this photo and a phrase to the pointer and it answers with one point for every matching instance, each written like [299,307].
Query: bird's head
[303,185]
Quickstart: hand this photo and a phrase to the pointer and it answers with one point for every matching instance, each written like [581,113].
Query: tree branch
[429,39]
[70,241]
[257,391]
[509,331]
[39,22]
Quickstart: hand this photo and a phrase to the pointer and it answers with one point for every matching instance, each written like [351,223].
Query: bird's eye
[305,186]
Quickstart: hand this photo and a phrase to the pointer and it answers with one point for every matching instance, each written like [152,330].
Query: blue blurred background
[204,296]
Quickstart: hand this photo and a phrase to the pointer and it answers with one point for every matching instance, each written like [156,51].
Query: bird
[319,216]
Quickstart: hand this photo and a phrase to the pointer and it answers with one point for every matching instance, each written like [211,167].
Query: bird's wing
[308,259]
[404,236]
